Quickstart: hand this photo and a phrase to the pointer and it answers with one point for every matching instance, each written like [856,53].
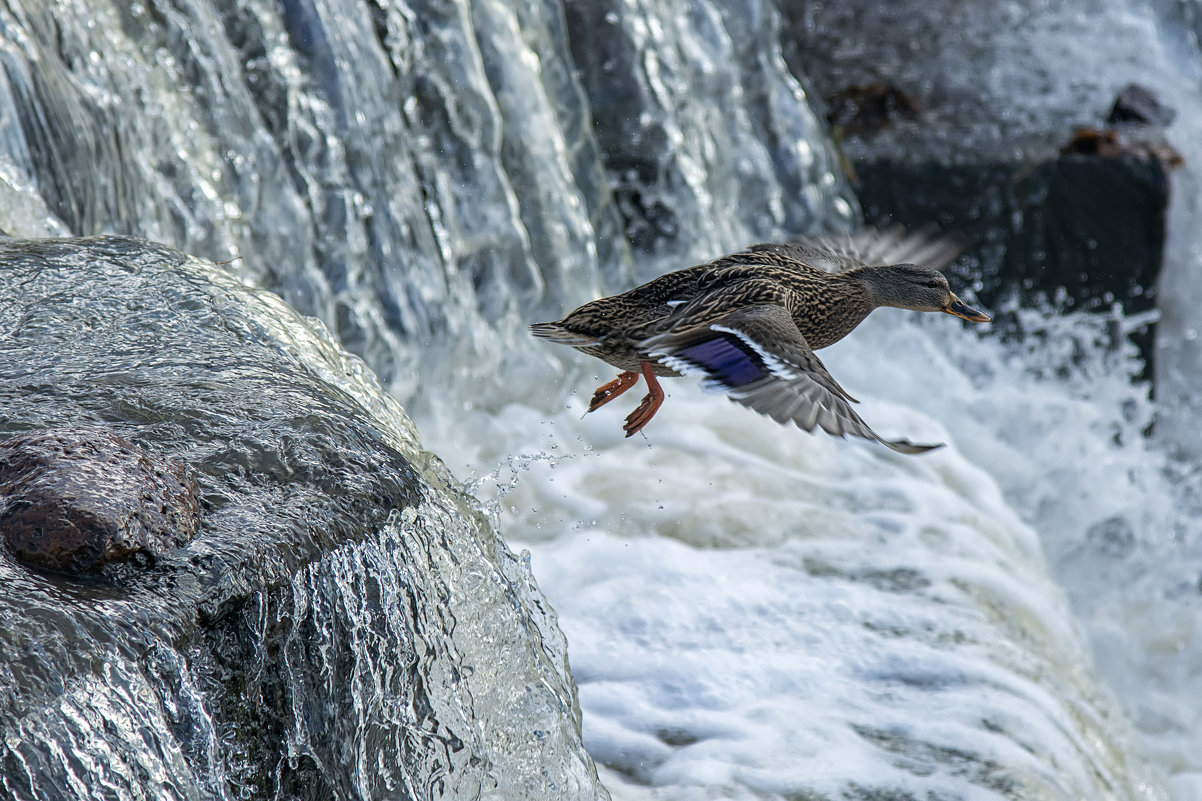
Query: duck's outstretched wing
[757,356]
[837,252]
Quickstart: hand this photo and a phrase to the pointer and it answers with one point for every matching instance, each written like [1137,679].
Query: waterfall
[749,611]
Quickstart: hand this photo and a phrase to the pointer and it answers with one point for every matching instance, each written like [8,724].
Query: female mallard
[750,323]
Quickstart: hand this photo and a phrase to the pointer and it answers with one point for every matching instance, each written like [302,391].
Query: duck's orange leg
[650,405]
[613,389]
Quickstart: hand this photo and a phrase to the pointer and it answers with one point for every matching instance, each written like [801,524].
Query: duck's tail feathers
[556,332]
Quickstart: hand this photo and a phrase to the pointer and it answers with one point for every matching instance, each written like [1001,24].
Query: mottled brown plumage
[750,323]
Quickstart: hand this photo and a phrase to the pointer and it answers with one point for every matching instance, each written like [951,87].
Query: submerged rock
[74,500]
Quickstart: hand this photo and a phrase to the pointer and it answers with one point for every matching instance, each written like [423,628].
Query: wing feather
[838,252]
[758,358]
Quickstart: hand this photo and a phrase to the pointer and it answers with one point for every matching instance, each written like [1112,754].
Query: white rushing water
[738,672]
[751,609]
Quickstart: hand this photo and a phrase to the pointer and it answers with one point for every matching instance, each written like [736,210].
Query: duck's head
[912,286]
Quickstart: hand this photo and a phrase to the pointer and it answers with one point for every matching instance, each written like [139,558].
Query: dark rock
[1139,104]
[1093,142]
[1059,202]
[74,500]
[1139,142]
[1091,226]
[868,109]
[1086,231]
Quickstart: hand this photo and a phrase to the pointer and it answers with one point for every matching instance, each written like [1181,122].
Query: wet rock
[1138,143]
[346,589]
[74,500]
[867,109]
[1062,190]
[1084,230]
[1139,104]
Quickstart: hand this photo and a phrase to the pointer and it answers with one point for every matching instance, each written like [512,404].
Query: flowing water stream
[749,611]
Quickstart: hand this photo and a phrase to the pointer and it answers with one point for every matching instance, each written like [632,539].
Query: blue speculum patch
[727,359]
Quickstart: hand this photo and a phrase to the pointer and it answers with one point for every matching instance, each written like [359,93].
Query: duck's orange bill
[961,309]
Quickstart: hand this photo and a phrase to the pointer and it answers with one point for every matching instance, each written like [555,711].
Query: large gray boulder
[345,624]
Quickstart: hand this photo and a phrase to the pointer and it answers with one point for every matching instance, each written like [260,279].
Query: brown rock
[1110,143]
[74,500]
[868,109]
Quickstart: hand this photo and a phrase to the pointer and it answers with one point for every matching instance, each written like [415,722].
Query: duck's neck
[876,283]
[843,304]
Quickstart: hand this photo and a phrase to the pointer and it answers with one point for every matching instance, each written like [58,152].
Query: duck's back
[638,307]
[645,305]
[825,298]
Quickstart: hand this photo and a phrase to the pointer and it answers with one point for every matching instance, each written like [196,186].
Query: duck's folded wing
[758,357]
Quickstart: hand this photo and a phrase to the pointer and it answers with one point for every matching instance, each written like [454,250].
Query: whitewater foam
[755,611]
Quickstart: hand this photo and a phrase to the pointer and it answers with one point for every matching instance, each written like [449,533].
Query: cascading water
[751,612]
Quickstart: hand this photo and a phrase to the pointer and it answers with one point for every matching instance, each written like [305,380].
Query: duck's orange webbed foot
[650,405]
[613,389]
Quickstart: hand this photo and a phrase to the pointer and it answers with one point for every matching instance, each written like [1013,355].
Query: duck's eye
[932,284]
